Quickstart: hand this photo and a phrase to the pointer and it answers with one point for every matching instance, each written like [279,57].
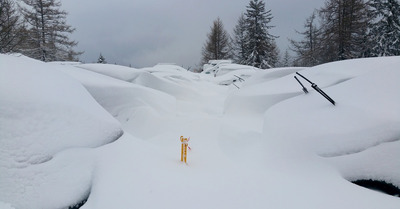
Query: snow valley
[100,136]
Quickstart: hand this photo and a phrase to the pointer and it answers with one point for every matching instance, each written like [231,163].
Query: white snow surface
[111,134]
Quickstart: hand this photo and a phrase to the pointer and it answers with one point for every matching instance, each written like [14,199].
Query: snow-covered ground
[110,134]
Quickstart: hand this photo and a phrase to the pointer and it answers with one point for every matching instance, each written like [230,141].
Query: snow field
[266,144]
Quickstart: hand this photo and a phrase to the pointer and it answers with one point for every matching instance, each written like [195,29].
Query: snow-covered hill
[110,135]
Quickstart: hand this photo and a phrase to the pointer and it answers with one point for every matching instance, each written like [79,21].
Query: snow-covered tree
[385,31]
[307,50]
[252,44]
[101,59]
[217,45]
[239,41]
[48,31]
[344,29]
[261,50]
[9,27]
[274,55]
[286,60]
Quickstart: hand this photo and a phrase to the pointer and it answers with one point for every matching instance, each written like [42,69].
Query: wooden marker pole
[184,149]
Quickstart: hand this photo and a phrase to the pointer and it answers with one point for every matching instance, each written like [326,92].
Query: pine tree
[9,27]
[261,50]
[101,59]
[274,55]
[286,60]
[343,29]
[48,31]
[239,41]
[385,32]
[307,50]
[217,46]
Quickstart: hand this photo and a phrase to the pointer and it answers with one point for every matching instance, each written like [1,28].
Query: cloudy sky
[142,33]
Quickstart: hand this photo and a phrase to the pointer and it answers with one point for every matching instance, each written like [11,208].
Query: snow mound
[165,67]
[222,67]
[131,104]
[253,145]
[367,115]
[167,78]
[271,74]
[115,71]
[44,113]
[263,90]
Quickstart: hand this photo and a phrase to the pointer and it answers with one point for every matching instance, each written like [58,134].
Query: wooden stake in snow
[184,148]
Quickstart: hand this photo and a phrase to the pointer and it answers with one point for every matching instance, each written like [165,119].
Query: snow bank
[167,78]
[221,67]
[273,144]
[134,106]
[367,115]
[115,71]
[151,81]
[44,114]
[271,74]
[263,90]
[379,163]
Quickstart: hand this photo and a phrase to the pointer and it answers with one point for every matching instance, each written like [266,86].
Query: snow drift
[264,144]
[46,119]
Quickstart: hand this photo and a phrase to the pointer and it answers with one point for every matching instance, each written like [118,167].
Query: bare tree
[344,29]
[307,50]
[9,27]
[217,45]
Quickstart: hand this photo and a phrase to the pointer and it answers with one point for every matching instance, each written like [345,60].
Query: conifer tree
[274,55]
[48,31]
[385,31]
[286,60]
[239,41]
[9,27]
[101,59]
[261,50]
[217,46]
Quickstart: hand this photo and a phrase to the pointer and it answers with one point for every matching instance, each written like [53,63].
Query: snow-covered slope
[265,144]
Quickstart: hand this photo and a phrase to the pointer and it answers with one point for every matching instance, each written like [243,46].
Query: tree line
[341,29]
[251,44]
[36,28]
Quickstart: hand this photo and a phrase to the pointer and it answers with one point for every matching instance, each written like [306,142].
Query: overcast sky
[142,33]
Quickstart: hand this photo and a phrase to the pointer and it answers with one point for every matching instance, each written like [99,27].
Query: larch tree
[9,27]
[385,30]
[217,46]
[307,50]
[261,50]
[344,27]
[48,31]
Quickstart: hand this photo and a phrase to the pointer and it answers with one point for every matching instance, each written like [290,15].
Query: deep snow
[262,143]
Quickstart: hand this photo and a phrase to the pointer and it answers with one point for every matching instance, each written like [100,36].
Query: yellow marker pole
[184,149]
